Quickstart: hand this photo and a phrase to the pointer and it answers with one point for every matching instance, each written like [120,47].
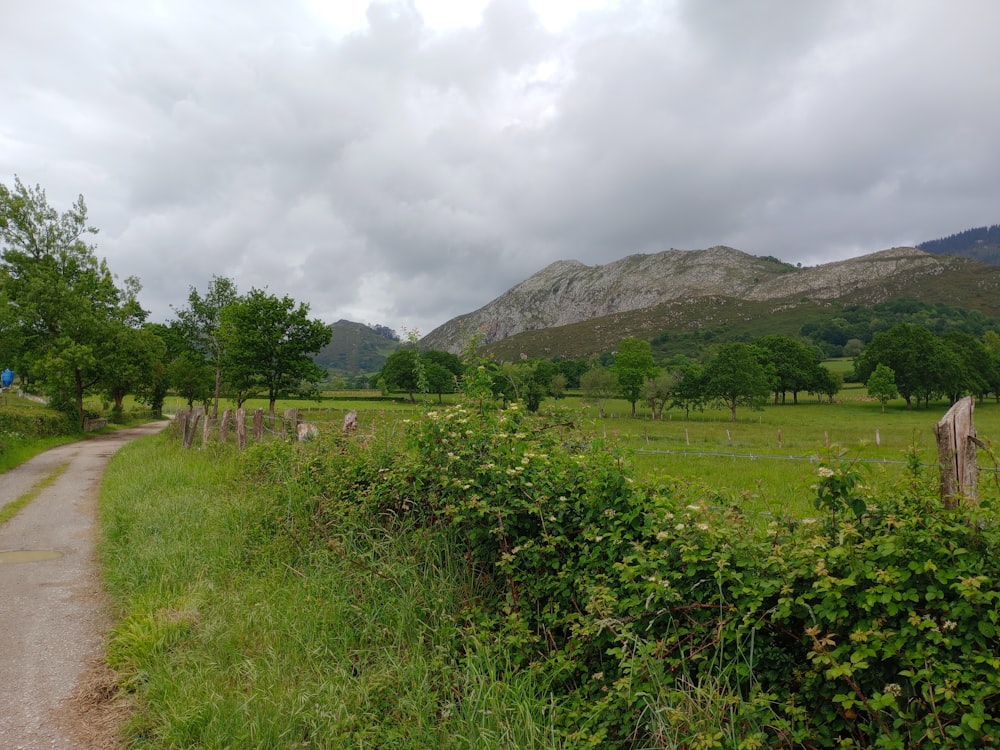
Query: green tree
[192,377]
[399,372]
[795,365]
[922,364]
[881,385]
[63,301]
[657,392]
[201,321]
[735,377]
[689,385]
[135,364]
[599,384]
[633,366]
[269,342]
[443,370]
[827,383]
[974,364]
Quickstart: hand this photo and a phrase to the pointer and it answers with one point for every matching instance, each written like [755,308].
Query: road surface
[53,613]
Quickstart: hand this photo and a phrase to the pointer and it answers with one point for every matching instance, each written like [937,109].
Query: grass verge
[232,632]
[11,509]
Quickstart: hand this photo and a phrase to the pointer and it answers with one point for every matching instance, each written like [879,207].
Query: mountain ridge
[569,293]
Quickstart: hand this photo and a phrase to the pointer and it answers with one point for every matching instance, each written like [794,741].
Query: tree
[827,383]
[135,364]
[689,385]
[63,301]
[268,343]
[201,321]
[400,371]
[598,383]
[442,371]
[633,366]
[735,377]
[974,362]
[192,377]
[882,385]
[657,392]
[921,363]
[795,365]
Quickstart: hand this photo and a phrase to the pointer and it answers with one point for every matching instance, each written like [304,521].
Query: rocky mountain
[569,293]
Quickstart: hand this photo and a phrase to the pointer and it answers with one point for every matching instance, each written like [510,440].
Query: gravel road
[53,614]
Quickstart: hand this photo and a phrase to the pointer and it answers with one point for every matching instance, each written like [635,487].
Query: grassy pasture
[767,459]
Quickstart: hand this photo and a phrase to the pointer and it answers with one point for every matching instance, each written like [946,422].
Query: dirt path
[53,614]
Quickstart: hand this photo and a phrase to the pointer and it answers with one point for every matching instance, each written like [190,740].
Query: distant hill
[574,310]
[356,348]
[981,243]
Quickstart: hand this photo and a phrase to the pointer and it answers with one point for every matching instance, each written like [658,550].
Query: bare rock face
[568,291]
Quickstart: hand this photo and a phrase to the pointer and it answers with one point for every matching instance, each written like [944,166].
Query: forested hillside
[981,243]
[356,348]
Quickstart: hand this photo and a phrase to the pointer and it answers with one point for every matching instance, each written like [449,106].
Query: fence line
[811,459]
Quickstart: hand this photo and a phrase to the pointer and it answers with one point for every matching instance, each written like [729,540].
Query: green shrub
[871,628]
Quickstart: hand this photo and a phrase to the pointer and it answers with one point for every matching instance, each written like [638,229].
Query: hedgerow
[658,616]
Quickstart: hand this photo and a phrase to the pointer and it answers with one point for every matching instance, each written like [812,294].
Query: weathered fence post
[206,430]
[241,428]
[182,424]
[957,444]
[190,427]
[350,421]
[290,424]
[258,424]
[227,417]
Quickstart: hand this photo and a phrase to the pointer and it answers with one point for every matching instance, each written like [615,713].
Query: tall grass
[232,633]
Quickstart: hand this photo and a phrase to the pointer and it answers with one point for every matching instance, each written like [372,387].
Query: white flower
[825,471]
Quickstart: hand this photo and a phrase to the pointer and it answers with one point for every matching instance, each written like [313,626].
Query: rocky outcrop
[568,291]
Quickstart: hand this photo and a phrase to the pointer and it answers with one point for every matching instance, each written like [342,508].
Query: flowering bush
[874,628]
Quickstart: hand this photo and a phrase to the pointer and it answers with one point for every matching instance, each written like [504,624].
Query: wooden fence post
[258,424]
[227,417]
[206,431]
[290,424]
[241,428]
[190,427]
[957,444]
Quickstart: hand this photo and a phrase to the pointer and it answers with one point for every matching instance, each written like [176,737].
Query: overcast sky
[405,162]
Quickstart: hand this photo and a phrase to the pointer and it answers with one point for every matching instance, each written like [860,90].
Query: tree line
[69,329]
[735,374]
[907,361]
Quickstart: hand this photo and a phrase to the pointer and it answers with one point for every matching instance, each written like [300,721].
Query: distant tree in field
[442,371]
[735,377]
[269,344]
[657,392]
[795,365]
[399,373]
[599,384]
[192,378]
[572,369]
[557,385]
[922,364]
[881,385]
[688,391]
[201,322]
[633,366]
[974,362]
[827,383]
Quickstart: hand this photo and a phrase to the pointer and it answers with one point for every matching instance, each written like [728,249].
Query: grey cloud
[416,173]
